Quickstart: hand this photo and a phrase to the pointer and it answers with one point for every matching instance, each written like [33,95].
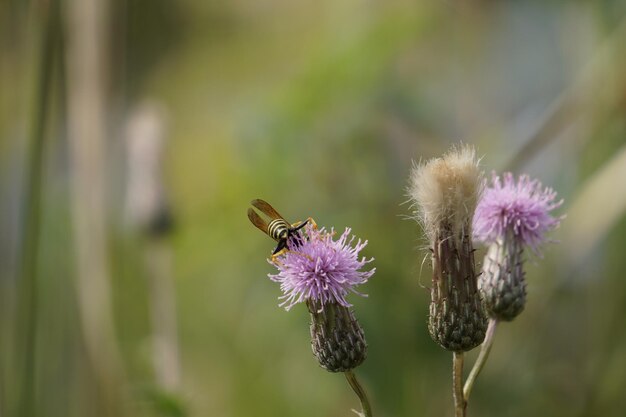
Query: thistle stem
[360,392]
[482,358]
[457,384]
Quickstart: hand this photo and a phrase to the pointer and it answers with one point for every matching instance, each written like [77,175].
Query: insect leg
[274,257]
[280,248]
[300,225]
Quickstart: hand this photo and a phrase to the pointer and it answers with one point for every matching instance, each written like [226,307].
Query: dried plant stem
[457,383]
[360,392]
[482,358]
[86,57]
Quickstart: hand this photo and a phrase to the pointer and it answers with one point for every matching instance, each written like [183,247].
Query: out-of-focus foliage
[321,107]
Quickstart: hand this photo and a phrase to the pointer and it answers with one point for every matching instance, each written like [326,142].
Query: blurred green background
[319,107]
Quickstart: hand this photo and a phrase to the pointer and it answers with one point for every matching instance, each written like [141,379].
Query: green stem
[360,392]
[457,384]
[482,358]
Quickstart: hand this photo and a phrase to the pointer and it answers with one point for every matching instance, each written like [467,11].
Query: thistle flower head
[320,269]
[520,208]
[445,190]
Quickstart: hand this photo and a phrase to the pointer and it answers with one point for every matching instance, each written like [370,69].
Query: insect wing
[265,208]
[257,221]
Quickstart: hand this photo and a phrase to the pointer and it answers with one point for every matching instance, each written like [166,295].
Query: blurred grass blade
[87,23]
[595,210]
[579,99]
[29,254]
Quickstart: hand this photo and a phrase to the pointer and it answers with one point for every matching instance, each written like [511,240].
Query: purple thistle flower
[510,216]
[520,208]
[320,269]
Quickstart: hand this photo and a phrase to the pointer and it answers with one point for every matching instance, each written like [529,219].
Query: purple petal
[520,209]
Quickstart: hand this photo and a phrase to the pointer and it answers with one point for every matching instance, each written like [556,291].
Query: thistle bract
[337,339]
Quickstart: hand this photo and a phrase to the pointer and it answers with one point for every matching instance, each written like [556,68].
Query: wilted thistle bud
[337,339]
[445,191]
[510,216]
[321,272]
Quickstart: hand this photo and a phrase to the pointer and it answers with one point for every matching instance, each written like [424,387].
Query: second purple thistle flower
[520,208]
[510,216]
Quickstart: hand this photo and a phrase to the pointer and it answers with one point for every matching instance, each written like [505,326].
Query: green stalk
[457,384]
[360,392]
[482,358]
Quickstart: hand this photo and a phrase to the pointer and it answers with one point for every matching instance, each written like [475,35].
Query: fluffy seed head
[518,208]
[320,269]
[445,190]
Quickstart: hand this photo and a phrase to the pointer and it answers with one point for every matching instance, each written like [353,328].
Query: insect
[278,228]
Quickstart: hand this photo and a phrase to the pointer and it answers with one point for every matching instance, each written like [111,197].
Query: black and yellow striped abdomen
[278,229]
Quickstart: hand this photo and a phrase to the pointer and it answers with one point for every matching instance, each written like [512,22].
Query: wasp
[278,228]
